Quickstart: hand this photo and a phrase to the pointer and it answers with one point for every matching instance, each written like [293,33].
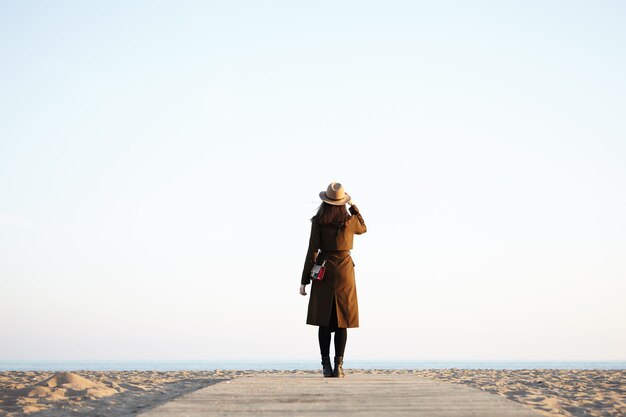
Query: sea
[260,365]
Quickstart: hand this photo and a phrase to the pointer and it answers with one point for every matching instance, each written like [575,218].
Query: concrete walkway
[355,395]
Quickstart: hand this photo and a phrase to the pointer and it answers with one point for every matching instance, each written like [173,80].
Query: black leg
[323,335]
[341,337]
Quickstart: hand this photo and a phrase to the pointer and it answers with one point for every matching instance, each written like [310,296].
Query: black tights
[341,337]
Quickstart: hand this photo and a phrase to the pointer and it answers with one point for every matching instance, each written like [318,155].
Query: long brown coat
[338,283]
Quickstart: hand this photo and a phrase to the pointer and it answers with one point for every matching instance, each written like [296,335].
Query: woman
[333,305]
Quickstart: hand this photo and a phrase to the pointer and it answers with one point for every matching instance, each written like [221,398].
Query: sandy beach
[96,393]
[122,393]
[550,392]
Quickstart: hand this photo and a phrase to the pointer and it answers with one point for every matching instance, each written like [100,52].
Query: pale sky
[159,162]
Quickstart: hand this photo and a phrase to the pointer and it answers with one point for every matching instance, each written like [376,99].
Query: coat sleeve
[359,227]
[311,253]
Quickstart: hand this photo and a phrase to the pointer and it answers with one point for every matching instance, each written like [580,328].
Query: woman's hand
[302,289]
[351,202]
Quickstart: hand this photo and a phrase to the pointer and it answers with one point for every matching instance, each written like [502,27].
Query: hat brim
[343,201]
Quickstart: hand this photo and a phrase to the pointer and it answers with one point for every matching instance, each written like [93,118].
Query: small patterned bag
[318,271]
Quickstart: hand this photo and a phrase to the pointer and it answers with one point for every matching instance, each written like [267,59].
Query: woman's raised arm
[360,227]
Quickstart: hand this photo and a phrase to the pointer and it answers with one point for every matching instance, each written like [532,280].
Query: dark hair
[329,214]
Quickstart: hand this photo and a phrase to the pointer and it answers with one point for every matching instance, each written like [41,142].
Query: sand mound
[69,380]
[69,384]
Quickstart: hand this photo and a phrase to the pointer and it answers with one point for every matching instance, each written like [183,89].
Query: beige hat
[335,194]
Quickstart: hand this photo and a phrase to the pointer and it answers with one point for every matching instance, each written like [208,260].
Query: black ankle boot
[328,370]
[338,372]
